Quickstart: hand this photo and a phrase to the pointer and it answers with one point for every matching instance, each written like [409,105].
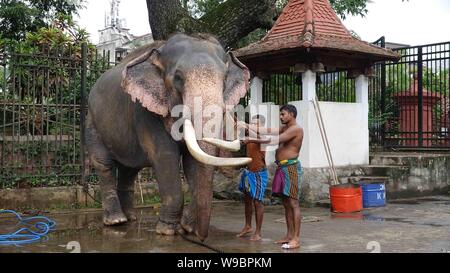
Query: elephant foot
[131,215]
[187,223]
[165,229]
[114,219]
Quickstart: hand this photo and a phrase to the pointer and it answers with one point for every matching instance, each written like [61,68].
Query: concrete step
[367,179]
[387,160]
[384,170]
[405,158]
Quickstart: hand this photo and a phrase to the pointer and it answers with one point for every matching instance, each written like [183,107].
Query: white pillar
[362,89]
[362,97]
[309,85]
[306,116]
[256,91]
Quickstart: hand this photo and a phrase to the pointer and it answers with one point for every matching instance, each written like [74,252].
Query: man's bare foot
[255,238]
[285,240]
[291,245]
[245,231]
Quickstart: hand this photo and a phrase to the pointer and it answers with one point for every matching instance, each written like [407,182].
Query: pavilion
[307,39]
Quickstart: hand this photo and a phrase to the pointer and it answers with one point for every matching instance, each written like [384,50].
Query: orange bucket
[346,198]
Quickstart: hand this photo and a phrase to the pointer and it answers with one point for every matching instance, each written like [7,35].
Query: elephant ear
[142,79]
[237,82]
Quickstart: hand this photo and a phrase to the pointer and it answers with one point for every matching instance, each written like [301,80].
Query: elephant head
[179,71]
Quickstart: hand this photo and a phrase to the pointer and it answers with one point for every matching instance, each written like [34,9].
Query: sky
[413,22]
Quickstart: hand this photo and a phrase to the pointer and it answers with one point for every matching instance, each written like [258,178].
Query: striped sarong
[254,184]
[286,182]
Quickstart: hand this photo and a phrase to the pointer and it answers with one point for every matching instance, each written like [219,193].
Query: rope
[200,243]
[38,228]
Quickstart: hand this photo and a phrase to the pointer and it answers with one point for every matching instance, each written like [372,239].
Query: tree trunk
[235,19]
[230,21]
[164,16]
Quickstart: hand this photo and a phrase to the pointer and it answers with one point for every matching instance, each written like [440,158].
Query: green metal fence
[41,115]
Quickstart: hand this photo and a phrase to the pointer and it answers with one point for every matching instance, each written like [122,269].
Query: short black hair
[290,109]
[261,118]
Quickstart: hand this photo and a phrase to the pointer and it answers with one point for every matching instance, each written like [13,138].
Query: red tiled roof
[312,24]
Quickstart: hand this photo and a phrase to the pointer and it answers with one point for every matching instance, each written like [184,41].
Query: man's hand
[242,125]
[244,141]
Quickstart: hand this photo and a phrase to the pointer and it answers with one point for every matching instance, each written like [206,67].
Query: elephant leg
[106,169]
[112,211]
[167,171]
[125,191]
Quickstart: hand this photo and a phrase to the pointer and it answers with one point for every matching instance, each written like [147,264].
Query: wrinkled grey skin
[129,122]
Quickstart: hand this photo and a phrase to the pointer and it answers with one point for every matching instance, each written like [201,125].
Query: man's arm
[259,130]
[286,136]
[256,140]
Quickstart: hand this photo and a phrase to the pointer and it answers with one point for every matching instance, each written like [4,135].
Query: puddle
[353,216]
[429,199]
[405,202]
[375,218]
[86,233]
[417,201]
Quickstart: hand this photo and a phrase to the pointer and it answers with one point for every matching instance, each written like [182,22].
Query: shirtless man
[287,178]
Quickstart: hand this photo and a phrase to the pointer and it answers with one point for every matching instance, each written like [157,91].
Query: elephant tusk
[232,146]
[201,156]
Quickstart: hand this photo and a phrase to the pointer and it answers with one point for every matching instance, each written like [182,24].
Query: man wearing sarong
[253,184]
[286,182]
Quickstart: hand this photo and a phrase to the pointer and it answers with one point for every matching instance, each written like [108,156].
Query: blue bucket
[374,195]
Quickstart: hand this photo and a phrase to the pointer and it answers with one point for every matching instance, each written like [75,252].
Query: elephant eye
[178,81]
[177,78]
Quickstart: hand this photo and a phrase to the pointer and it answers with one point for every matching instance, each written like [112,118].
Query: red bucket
[346,198]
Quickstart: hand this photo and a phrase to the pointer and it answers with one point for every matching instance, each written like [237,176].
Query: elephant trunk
[205,176]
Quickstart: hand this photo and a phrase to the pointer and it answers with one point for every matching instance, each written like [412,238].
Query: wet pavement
[413,225]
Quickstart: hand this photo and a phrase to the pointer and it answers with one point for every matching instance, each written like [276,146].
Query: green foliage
[281,89]
[436,81]
[198,8]
[336,87]
[18,17]
[353,7]
[42,94]
[398,78]
[254,36]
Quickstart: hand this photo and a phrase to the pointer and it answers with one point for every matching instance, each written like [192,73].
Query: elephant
[129,121]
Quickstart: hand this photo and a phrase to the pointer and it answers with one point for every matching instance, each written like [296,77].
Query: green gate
[41,115]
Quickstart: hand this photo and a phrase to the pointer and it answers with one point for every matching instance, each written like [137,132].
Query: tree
[17,17]
[230,20]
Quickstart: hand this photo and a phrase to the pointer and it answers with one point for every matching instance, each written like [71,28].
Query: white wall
[345,125]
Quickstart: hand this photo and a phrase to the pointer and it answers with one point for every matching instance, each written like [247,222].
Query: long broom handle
[325,141]
[326,144]
[336,180]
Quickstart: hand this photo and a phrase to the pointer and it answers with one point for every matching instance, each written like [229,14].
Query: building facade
[116,38]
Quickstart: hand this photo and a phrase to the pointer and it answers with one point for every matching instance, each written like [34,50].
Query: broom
[326,144]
